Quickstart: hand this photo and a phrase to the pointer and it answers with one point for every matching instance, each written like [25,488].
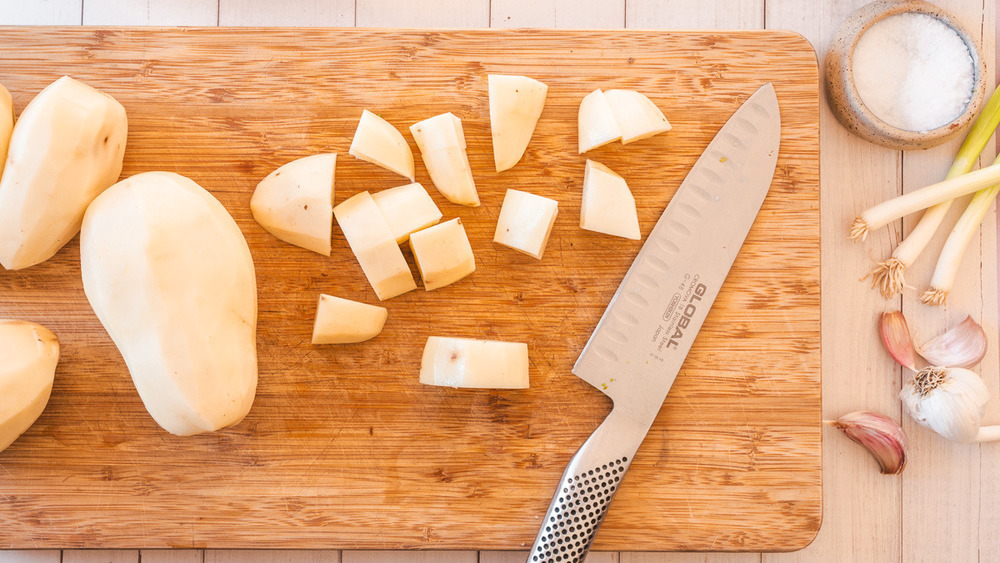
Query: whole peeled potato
[28,356]
[170,276]
[66,148]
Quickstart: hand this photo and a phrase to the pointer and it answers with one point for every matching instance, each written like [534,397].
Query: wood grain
[565,14]
[270,556]
[151,12]
[947,481]
[343,448]
[42,12]
[30,556]
[179,556]
[861,507]
[314,13]
[100,556]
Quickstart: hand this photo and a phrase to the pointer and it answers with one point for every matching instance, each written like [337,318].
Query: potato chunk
[378,142]
[295,202]
[443,254]
[373,244]
[342,321]
[442,147]
[407,209]
[608,206]
[464,362]
[526,222]
[516,103]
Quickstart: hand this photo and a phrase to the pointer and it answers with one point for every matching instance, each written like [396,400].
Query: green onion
[959,239]
[888,276]
[888,211]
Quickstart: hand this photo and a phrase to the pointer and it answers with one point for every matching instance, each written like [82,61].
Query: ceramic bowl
[843,94]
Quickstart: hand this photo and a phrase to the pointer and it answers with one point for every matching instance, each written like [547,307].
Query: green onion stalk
[888,276]
[958,240]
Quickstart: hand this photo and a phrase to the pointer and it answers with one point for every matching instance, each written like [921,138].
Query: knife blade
[648,328]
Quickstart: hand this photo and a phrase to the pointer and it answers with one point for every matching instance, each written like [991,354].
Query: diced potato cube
[378,142]
[525,222]
[407,209]
[464,362]
[342,321]
[443,254]
[596,123]
[375,247]
[608,206]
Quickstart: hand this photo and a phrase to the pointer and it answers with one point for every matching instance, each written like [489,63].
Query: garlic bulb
[949,401]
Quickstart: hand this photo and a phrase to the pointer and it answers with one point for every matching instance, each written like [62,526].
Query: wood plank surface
[861,507]
[343,448]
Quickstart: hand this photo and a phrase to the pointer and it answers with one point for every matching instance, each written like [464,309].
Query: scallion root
[859,230]
[934,297]
[888,278]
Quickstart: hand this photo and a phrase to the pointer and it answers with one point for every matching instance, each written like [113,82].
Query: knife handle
[585,490]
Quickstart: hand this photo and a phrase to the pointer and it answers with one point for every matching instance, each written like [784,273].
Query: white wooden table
[946,504]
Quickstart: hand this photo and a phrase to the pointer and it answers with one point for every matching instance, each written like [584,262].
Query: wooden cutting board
[343,447]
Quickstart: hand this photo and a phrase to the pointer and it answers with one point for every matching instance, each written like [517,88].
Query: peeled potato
[378,142]
[6,123]
[608,205]
[516,103]
[373,244]
[342,321]
[67,147]
[295,202]
[464,362]
[442,147]
[170,276]
[407,209]
[637,116]
[28,356]
[443,254]
[596,123]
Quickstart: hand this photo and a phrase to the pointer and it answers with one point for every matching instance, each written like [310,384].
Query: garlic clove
[880,435]
[897,340]
[964,345]
[949,401]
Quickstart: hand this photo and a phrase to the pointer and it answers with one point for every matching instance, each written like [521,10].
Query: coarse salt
[913,71]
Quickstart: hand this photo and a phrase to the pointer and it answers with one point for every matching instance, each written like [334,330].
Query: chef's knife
[645,333]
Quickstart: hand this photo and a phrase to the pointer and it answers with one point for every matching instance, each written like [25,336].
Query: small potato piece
[443,254]
[28,356]
[596,123]
[378,142]
[442,147]
[342,321]
[373,244]
[608,205]
[516,103]
[67,147]
[465,362]
[637,116]
[295,202]
[407,209]
[526,222]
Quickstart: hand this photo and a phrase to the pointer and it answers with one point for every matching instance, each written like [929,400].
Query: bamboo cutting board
[343,448]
